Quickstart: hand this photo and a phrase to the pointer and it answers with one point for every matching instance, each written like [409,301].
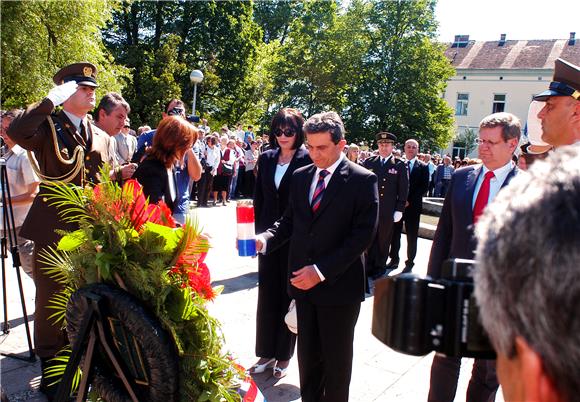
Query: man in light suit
[393,187]
[330,221]
[418,186]
[470,189]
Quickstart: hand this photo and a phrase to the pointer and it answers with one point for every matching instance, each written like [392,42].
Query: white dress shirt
[495,183]
[330,171]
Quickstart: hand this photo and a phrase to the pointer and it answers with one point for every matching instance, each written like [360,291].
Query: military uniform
[33,131]
[393,186]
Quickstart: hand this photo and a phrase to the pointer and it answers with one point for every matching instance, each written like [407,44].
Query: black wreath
[132,325]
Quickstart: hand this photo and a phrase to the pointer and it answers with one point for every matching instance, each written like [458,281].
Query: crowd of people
[329,216]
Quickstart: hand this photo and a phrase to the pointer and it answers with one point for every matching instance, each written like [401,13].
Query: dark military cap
[566,81]
[82,73]
[385,136]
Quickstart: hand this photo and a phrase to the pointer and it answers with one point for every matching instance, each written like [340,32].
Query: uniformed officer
[69,148]
[393,186]
[560,116]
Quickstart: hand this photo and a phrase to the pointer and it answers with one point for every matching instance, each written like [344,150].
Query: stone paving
[379,373]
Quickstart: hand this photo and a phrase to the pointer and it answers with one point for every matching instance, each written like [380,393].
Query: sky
[518,19]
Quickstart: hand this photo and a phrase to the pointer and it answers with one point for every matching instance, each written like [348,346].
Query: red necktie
[482,196]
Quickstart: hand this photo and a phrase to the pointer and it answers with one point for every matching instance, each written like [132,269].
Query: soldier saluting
[68,148]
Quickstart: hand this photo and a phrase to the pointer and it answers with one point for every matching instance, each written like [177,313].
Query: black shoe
[408,268]
[393,264]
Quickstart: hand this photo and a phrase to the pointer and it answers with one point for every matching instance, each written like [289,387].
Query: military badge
[87,71]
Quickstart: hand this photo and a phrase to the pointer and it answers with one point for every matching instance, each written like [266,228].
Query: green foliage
[157,264]
[58,366]
[40,37]
[161,42]
[467,140]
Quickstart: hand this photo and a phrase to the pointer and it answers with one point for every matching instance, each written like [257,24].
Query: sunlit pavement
[379,373]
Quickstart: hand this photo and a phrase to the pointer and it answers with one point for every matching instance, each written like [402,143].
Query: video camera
[416,315]
[176,111]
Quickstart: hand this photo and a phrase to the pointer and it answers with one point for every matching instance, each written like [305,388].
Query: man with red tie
[470,190]
[330,221]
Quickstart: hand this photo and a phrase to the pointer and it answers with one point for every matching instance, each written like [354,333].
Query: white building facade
[499,76]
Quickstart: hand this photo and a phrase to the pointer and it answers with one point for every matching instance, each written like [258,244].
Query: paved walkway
[379,373]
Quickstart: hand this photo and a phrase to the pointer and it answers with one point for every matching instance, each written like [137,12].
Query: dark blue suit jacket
[454,237]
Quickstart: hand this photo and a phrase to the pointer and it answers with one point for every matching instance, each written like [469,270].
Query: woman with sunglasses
[274,342]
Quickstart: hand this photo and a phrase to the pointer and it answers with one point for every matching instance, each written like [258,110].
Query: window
[498,103]
[461,105]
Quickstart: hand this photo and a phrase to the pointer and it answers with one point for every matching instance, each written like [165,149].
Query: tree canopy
[40,37]
[376,63]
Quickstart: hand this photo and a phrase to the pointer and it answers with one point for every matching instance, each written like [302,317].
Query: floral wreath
[124,240]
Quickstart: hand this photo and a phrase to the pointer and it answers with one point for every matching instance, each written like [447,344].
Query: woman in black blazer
[172,139]
[274,342]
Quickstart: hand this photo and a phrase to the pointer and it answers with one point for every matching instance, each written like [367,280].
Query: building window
[498,103]
[461,105]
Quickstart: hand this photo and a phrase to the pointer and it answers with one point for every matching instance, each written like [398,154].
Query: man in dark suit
[86,148]
[418,186]
[330,221]
[443,175]
[393,186]
[470,189]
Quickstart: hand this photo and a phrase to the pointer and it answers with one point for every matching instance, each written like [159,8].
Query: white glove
[397,216]
[59,94]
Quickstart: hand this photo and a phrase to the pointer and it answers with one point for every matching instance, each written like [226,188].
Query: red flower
[141,212]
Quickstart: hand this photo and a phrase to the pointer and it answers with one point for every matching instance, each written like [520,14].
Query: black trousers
[325,337]
[445,373]
[273,338]
[412,219]
[376,261]
[204,186]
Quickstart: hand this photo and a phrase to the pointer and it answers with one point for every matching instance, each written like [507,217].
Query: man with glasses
[175,107]
[470,190]
[393,187]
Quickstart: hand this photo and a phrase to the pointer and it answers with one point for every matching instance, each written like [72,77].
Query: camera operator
[23,188]
[470,189]
[527,283]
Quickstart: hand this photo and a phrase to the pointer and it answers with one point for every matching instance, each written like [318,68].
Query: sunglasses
[286,133]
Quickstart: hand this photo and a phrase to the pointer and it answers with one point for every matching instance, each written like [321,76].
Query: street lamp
[196,77]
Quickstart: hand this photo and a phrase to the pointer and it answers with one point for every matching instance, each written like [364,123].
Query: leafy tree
[161,42]
[40,37]
[467,140]
[275,18]
[402,76]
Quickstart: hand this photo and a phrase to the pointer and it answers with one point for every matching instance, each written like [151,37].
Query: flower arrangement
[123,240]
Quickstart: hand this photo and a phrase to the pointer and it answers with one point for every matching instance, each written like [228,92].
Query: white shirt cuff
[322,278]
[264,244]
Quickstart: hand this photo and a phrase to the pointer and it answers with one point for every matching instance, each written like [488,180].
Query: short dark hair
[110,102]
[290,118]
[326,121]
[509,123]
